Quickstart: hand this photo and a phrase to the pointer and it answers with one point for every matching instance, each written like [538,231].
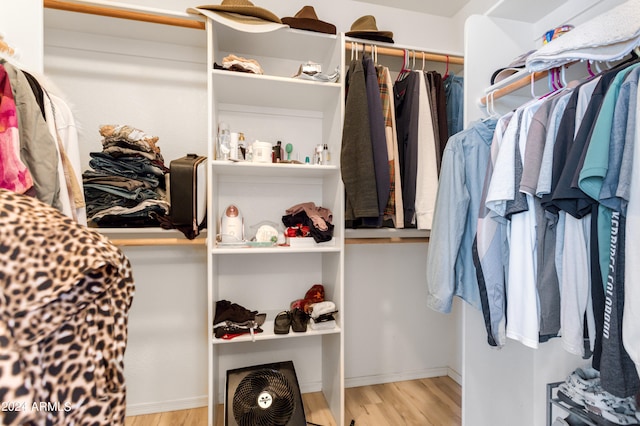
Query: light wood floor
[435,401]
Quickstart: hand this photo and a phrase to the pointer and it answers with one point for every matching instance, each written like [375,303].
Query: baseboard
[160,407]
[396,377]
[201,401]
[457,377]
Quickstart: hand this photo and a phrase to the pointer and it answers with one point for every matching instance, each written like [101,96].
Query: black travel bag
[188,193]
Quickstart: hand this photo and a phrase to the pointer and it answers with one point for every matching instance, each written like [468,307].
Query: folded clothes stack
[233,320]
[322,315]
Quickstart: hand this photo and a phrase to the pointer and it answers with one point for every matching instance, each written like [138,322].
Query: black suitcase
[188,193]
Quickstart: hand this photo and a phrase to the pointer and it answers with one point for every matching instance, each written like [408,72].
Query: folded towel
[607,37]
[322,308]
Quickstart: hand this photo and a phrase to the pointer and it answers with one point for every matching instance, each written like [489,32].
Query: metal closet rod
[399,52]
[123,14]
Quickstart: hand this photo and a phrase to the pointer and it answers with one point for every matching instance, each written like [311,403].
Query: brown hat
[365,27]
[306,19]
[242,7]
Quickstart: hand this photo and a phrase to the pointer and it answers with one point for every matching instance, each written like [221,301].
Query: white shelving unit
[273,107]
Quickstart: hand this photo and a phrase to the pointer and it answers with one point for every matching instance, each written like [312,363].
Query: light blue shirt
[450,268]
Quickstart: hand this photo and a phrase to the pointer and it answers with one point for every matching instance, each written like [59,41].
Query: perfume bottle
[224,142]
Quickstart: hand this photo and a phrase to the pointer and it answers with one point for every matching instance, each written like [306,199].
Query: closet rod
[396,51]
[112,12]
[512,87]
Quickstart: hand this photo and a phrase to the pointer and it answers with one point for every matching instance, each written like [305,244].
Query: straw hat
[244,8]
[306,19]
[365,27]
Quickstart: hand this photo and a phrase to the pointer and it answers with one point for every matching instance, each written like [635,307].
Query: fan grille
[251,406]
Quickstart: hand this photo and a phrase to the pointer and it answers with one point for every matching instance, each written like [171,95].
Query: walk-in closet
[393,191]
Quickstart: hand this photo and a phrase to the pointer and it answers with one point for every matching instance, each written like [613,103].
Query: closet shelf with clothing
[395,130]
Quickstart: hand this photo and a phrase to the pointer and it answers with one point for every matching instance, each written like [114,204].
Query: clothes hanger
[591,74]
[491,106]
[405,63]
[446,72]
[422,61]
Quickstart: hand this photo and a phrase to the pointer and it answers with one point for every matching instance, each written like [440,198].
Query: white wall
[21,27]
[390,335]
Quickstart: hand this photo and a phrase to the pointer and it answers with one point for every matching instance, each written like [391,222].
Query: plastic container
[261,152]
[233,146]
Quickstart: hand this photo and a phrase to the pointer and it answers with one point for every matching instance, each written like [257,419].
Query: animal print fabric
[65,293]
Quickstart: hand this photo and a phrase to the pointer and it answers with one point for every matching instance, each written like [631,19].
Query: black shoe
[282,323]
[299,320]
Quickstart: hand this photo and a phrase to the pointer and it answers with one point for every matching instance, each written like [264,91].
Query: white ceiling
[520,10]
[446,8]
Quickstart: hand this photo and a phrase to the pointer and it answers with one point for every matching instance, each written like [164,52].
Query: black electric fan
[264,395]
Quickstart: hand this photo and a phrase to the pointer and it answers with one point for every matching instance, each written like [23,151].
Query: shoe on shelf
[599,399]
[611,417]
[559,421]
[282,323]
[299,320]
[571,420]
[582,381]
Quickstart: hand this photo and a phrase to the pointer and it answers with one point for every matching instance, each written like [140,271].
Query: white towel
[324,325]
[322,308]
[607,37]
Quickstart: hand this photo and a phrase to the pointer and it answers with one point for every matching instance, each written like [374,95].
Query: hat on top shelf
[241,15]
[306,19]
[365,27]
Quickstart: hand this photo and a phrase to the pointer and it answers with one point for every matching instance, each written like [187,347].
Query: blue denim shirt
[454,93]
[450,268]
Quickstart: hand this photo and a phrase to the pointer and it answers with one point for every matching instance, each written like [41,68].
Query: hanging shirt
[427,170]
[394,208]
[406,99]
[450,269]
[356,156]
[547,284]
[37,148]
[618,373]
[631,317]
[378,141]
[522,299]
[490,251]
[14,174]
